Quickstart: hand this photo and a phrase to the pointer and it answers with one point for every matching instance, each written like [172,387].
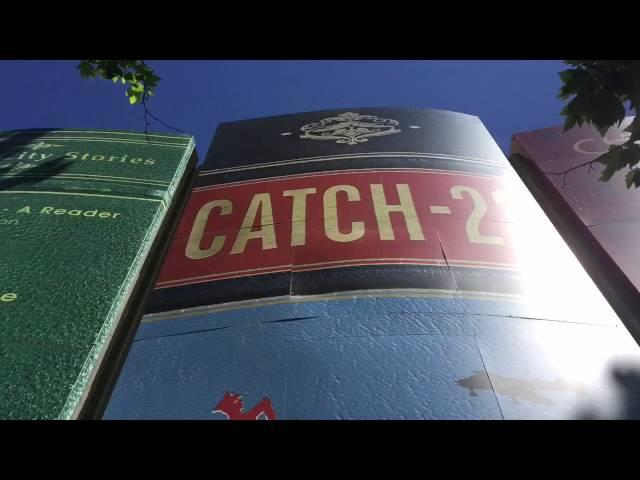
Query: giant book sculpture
[370,263]
[85,219]
[599,220]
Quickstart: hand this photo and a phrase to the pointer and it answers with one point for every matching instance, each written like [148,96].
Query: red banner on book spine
[340,219]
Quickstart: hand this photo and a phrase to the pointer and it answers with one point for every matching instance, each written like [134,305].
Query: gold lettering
[406,207]
[267,231]
[330,201]
[298,214]
[479,210]
[8,297]
[193,249]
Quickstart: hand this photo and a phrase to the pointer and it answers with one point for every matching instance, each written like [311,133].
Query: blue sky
[509,96]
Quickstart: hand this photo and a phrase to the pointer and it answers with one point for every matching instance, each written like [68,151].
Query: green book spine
[85,217]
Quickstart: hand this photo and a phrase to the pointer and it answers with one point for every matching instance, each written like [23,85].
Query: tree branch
[589,163]
[147,112]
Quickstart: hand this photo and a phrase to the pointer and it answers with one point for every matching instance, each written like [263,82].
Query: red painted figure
[232,406]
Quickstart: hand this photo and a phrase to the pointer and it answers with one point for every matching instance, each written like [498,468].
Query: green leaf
[630,155]
[607,110]
[607,173]
[634,130]
[602,130]
[569,122]
[565,75]
[613,161]
[139,77]
[576,81]
[86,69]
[580,107]
[632,177]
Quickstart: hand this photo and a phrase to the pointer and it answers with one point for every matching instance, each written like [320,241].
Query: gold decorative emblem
[350,128]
